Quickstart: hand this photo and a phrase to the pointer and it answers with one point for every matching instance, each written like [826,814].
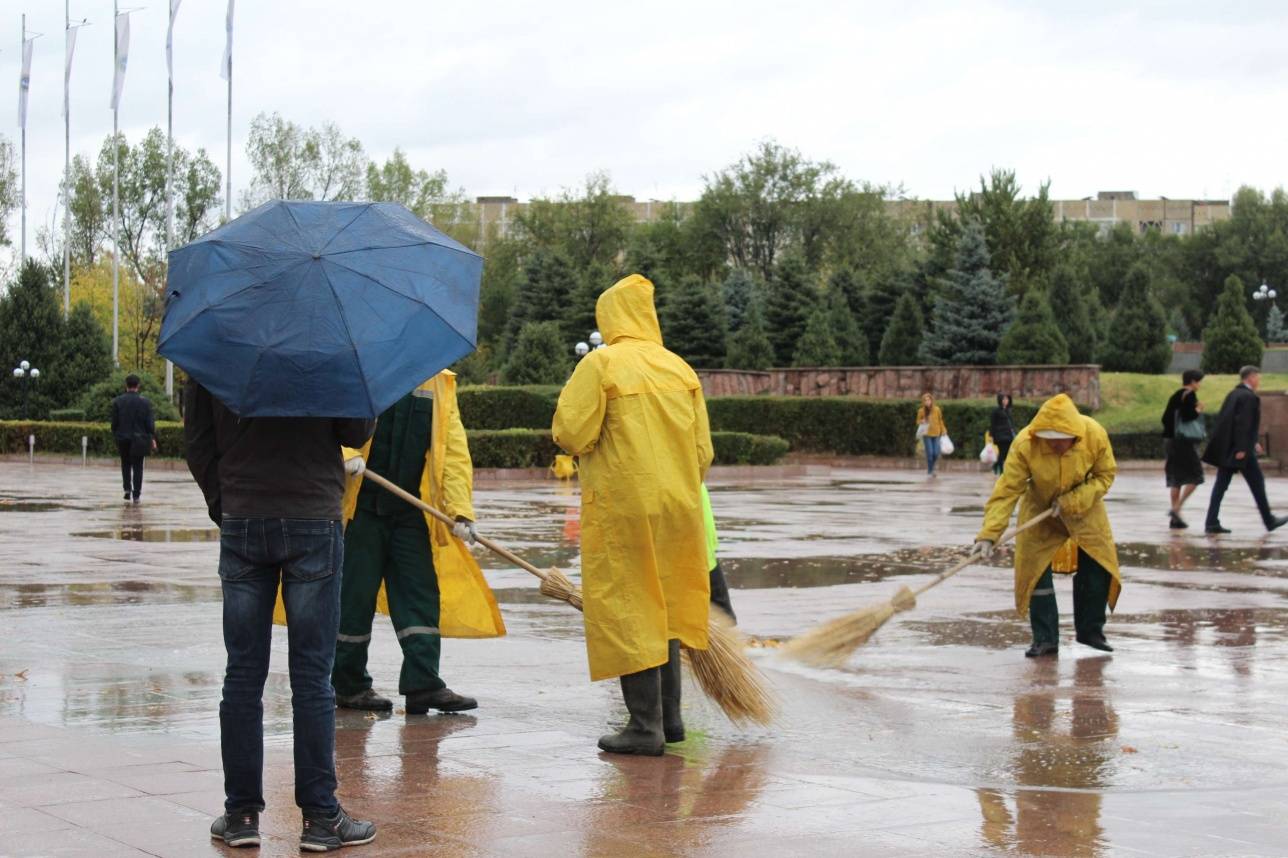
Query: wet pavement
[938,738]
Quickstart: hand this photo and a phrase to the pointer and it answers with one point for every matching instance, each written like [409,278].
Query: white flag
[226,67]
[24,82]
[67,64]
[122,56]
[169,39]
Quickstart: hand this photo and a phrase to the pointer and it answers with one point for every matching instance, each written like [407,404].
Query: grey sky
[1179,98]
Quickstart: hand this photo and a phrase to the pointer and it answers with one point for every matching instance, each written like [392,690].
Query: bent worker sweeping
[634,414]
[1061,461]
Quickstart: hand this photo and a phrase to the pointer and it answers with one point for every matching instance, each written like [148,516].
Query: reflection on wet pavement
[938,738]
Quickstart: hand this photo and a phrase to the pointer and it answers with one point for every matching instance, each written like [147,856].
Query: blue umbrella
[303,309]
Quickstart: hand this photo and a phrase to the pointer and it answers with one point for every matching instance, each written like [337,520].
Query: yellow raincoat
[467,607]
[1035,477]
[634,414]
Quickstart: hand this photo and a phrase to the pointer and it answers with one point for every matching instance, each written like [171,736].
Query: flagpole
[228,177]
[169,171]
[22,48]
[116,193]
[67,163]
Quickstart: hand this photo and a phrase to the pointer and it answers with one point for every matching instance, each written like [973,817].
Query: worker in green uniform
[397,557]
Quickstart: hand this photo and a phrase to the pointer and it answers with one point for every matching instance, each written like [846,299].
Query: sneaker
[366,700]
[444,700]
[237,829]
[329,833]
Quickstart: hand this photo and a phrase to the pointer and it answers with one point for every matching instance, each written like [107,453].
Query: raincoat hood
[626,311]
[1059,414]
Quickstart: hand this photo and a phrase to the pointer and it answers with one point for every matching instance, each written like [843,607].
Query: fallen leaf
[1128,749]
[22,675]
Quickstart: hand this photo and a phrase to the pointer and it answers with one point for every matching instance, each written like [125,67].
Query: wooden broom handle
[494,547]
[964,562]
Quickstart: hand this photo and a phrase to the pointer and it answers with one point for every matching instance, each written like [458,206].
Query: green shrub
[743,448]
[851,426]
[512,448]
[1137,445]
[65,438]
[97,401]
[508,407]
[67,415]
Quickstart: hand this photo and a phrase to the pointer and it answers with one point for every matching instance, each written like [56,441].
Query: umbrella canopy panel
[320,309]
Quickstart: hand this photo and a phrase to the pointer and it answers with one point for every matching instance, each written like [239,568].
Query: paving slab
[938,737]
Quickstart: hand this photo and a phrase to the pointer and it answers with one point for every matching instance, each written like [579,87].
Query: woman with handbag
[930,428]
[1184,430]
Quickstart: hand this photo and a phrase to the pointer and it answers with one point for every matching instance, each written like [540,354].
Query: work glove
[464,531]
[983,548]
[355,466]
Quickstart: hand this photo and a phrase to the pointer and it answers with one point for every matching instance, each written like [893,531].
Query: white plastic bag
[946,447]
[989,454]
[922,428]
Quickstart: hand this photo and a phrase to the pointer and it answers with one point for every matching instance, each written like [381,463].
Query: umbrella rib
[463,250]
[363,210]
[400,294]
[202,311]
[339,305]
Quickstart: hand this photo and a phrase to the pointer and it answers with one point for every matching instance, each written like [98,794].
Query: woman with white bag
[931,431]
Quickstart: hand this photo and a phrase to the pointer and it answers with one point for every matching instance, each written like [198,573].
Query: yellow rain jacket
[467,607]
[634,414]
[1035,477]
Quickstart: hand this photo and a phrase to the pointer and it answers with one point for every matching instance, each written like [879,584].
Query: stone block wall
[1082,382]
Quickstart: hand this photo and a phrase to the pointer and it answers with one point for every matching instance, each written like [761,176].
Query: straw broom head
[729,678]
[557,585]
[832,644]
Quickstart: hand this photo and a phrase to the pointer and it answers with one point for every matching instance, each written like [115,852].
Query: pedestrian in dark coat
[1181,467]
[1002,430]
[1234,449]
[135,431]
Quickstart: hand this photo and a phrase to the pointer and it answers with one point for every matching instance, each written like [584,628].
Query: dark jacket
[267,467]
[1001,427]
[132,421]
[1182,406]
[1236,431]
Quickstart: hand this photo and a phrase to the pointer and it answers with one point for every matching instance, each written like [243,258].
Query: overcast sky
[1183,99]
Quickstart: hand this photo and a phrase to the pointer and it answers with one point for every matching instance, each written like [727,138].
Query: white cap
[1054,435]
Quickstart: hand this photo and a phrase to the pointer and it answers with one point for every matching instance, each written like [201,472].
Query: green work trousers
[1090,598]
[393,549]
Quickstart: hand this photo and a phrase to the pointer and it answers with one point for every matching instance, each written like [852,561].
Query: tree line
[781,261]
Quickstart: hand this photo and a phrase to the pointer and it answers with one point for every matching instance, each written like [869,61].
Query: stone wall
[1082,382]
[1190,356]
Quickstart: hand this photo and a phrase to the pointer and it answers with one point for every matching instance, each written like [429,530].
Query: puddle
[113,593]
[31,506]
[761,573]
[156,534]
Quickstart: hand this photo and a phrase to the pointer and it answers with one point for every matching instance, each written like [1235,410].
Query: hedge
[530,407]
[854,427]
[490,448]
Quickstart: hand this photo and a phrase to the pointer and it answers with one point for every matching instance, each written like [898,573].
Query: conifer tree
[1275,325]
[878,303]
[738,291]
[1230,340]
[541,355]
[1137,340]
[817,346]
[1033,338]
[901,345]
[851,341]
[972,310]
[85,354]
[1101,321]
[792,295]
[693,326]
[31,329]
[750,347]
[545,292]
[1068,303]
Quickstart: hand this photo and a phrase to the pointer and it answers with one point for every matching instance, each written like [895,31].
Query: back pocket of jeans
[233,560]
[311,550]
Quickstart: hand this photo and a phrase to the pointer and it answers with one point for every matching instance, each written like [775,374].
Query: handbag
[1191,430]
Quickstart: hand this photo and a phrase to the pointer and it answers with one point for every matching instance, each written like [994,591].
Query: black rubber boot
[672,720]
[642,734]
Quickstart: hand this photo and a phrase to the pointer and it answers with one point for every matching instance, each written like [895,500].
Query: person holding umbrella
[1061,461]
[634,414]
[297,324]
[432,584]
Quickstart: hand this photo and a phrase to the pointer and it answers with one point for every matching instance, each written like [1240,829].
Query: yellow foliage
[141,308]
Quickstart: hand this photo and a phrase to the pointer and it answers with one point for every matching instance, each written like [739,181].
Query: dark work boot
[329,833]
[672,720]
[237,829]
[444,700]
[642,734]
[366,700]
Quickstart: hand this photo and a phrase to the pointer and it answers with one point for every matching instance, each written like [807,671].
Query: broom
[832,643]
[723,671]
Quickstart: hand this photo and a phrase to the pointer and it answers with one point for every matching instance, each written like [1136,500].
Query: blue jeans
[307,556]
[932,452]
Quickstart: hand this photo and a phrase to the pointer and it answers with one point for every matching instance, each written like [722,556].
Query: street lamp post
[596,341]
[26,373]
[1264,293]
